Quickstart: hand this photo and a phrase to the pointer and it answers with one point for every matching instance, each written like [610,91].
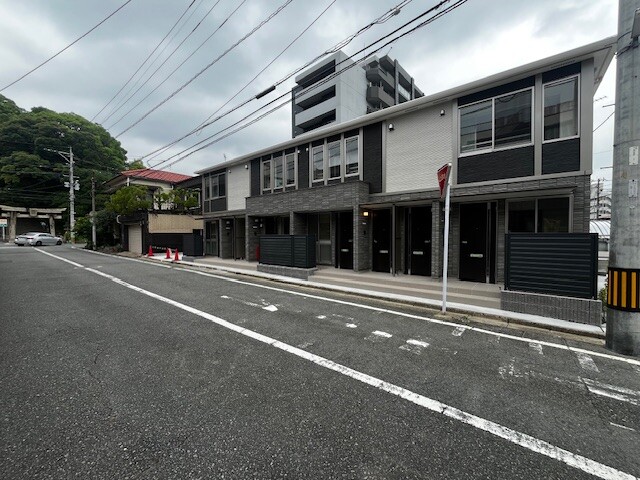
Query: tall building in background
[337,90]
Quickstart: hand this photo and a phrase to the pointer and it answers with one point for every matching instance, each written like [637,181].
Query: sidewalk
[468,298]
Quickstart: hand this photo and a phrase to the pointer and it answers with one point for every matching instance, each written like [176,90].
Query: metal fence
[563,264]
[288,250]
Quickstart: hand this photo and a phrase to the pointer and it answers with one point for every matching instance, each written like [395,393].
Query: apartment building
[337,90]
[520,144]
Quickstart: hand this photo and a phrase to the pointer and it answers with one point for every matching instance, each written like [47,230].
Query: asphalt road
[115,368]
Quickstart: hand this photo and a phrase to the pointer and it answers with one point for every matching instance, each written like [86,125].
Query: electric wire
[144,62]
[180,65]
[379,20]
[330,77]
[120,103]
[604,121]
[67,47]
[255,29]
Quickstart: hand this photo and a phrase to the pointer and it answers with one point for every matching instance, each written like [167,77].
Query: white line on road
[270,308]
[526,441]
[536,347]
[613,391]
[622,426]
[458,331]
[351,325]
[379,310]
[587,363]
[414,346]
[146,262]
[59,258]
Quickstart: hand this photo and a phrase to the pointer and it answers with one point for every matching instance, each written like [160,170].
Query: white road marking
[226,297]
[382,334]
[305,345]
[622,426]
[270,308]
[378,336]
[351,325]
[458,331]
[379,310]
[511,370]
[613,391]
[59,258]
[536,347]
[146,262]
[321,317]
[587,363]
[526,441]
[414,346]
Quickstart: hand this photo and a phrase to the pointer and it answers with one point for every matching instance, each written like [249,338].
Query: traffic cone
[176,258]
[150,254]
[168,256]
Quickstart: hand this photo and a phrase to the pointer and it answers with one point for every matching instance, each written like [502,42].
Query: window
[278,173]
[538,216]
[512,115]
[290,166]
[561,109]
[499,122]
[318,163]
[351,154]
[266,175]
[334,159]
[214,186]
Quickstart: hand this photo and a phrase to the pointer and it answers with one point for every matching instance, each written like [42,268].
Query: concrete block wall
[579,310]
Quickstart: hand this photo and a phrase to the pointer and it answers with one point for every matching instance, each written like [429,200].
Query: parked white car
[37,239]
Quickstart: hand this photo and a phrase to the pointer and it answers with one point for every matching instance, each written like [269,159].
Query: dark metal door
[473,242]
[381,255]
[345,240]
[420,241]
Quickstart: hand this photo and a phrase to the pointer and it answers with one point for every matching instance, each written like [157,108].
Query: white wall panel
[238,187]
[420,143]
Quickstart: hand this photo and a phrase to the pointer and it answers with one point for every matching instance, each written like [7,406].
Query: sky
[478,39]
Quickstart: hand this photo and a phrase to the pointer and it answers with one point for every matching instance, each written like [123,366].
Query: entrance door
[419,252]
[473,242]
[381,254]
[135,239]
[211,238]
[238,240]
[345,240]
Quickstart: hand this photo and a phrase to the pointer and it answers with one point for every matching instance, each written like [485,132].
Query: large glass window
[215,186]
[541,215]
[266,175]
[512,115]
[318,163]
[561,109]
[334,159]
[475,127]
[290,166]
[351,156]
[497,122]
[278,173]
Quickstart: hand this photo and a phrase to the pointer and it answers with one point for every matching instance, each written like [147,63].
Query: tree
[31,175]
[128,200]
[135,165]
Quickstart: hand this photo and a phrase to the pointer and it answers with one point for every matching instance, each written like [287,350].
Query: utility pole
[93,213]
[623,296]
[73,186]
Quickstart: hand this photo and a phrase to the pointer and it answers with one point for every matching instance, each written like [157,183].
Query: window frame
[262,171]
[493,148]
[357,140]
[535,212]
[578,123]
[286,170]
[208,186]
[340,160]
[274,165]
[312,163]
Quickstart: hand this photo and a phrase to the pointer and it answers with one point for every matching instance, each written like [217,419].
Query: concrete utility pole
[93,213]
[73,186]
[623,318]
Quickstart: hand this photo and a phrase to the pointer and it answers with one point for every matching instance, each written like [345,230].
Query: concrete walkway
[477,299]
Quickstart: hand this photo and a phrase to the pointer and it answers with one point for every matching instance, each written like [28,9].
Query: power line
[176,68]
[68,46]
[604,121]
[255,29]
[144,62]
[426,22]
[379,20]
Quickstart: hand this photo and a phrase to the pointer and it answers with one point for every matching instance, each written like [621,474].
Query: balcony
[316,111]
[376,95]
[377,75]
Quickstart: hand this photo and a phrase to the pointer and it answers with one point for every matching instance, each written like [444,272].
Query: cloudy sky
[480,38]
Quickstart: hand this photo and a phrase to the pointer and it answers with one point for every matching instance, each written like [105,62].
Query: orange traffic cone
[176,258]
[168,255]
[150,254]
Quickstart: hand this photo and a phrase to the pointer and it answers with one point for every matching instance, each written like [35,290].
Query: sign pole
[444,180]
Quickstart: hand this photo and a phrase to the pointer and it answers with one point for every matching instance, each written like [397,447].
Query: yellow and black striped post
[623,292]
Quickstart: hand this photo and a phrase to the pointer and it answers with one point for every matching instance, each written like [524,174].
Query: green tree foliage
[176,200]
[128,200]
[33,176]
[107,229]
[135,165]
